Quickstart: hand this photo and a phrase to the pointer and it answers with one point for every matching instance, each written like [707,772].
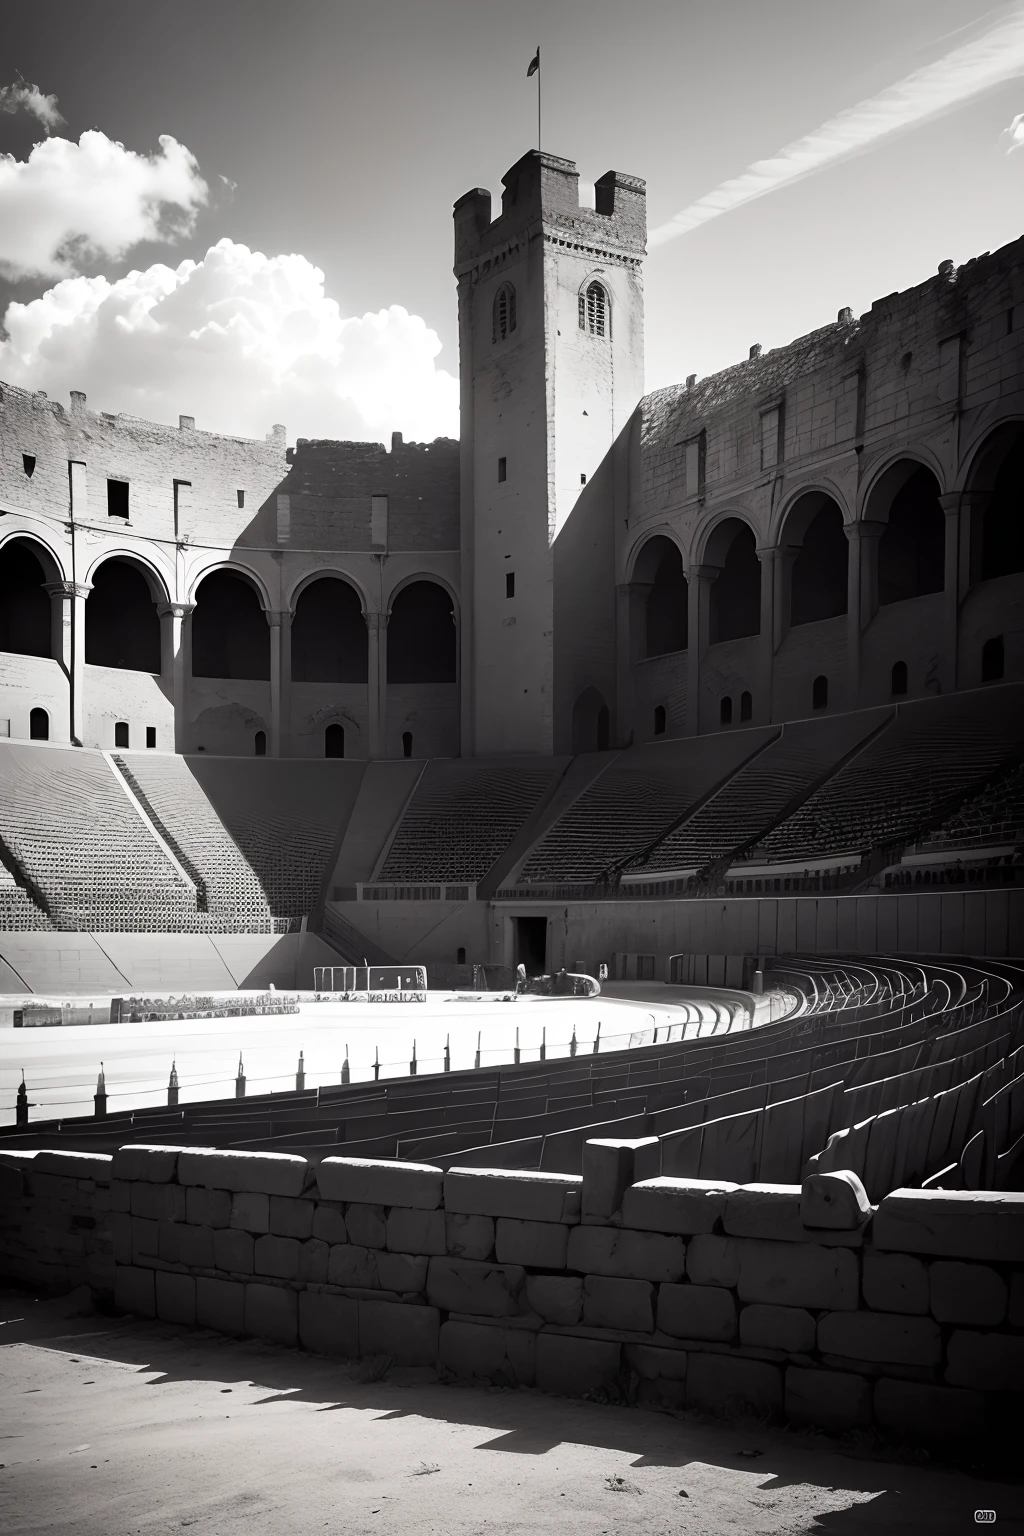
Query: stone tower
[551,361]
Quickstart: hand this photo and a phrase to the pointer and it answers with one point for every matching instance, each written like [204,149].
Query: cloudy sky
[240,210]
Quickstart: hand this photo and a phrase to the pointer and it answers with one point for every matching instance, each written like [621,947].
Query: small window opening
[583,478]
[502,467]
[407,743]
[725,711]
[121,733]
[241,498]
[334,741]
[899,678]
[993,660]
[659,720]
[460,956]
[594,310]
[819,692]
[504,312]
[150,735]
[28,464]
[117,498]
[259,744]
[510,583]
[746,705]
[39,725]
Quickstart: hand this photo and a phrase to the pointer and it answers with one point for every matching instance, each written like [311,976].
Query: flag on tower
[534,65]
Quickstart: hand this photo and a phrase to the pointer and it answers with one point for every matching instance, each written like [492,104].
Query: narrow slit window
[725,711]
[28,464]
[510,583]
[659,720]
[819,693]
[150,735]
[502,470]
[504,312]
[241,498]
[407,743]
[746,706]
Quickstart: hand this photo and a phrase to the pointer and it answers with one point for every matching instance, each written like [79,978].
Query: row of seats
[18,912]
[994,815]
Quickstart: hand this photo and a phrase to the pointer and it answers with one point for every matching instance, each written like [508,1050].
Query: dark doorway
[230,633]
[746,705]
[24,604]
[659,719]
[121,733]
[532,944]
[899,678]
[407,743]
[39,725]
[421,635]
[259,744]
[1002,525]
[819,692]
[818,585]
[993,660]
[329,639]
[911,551]
[334,741]
[591,722]
[661,564]
[122,628]
[735,605]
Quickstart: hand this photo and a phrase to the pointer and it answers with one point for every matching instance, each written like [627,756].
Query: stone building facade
[830,525]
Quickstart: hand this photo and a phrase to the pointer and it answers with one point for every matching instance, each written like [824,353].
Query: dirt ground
[113,1427]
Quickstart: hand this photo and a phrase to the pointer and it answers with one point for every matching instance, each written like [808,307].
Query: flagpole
[538,98]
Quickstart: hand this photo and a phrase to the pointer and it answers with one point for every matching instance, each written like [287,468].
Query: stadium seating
[994,815]
[18,911]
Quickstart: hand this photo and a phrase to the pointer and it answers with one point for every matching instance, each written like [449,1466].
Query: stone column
[377,681]
[772,562]
[700,578]
[630,619]
[280,680]
[176,663]
[950,663]
[67,646]
[861,594]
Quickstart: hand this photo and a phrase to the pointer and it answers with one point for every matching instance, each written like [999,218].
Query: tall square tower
[551,362]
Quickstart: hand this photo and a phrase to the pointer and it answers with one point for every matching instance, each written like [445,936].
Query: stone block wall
[908,1317]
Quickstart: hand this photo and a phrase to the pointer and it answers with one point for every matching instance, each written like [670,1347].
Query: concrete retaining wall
[908,1316]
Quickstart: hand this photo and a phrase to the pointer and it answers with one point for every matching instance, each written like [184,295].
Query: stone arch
[591,722]
[658,566]
[122,626]
[735,597]
[27,567]
[230,633]
[422,636]
[329,636]
[996,479]
[150,572]
[813,533]
[235,568]
[912,548]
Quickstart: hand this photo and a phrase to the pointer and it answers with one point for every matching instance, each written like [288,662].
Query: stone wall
[799,1300]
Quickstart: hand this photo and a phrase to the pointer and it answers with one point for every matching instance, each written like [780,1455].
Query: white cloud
[69,204]
[23,97]
[1015,134]
[989,60]
[238,340]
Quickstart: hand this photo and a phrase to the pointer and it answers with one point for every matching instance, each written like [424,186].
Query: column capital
[633,588]
[278,618]
[952,502]
[176,610]
[68,588]
[702,572]
[864,528]
[376,620]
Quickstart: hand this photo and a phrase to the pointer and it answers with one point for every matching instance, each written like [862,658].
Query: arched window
[665,611]
[122,628]
[39,725]
[993,660]
[329,638]
[421,635]
[899,678]
[735,602]
[334,741]
[24,601]
[121,733]
[911,551]
[504,313]
[659,720]
[407,743]
[230,633]
[460,956]
[819,692]
[746,705]
[725,711]
[1002,529]
[594,313]
[818,580]
[259,744]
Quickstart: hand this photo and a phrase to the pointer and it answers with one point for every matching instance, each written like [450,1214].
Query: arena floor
[113,1427]
[61,1064]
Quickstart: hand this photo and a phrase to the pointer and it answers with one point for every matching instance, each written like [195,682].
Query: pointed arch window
[595,316]
[504,315]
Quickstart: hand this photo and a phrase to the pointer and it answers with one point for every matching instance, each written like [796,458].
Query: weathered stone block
[681,1206]
[798,1274]
[402,1272]
[723,1383]
[768,1327]
[366,1225]
[145,1238]
[713,1260]
[175,1298]
[626,1254]
[120,1226]
[926,1412]
[372,1181]
[329,1325]
[313,1259]
[885,1337]
[220,1304]
[134,1290]
[504,1192]
[251,1213]
[979,1224]
[233,1251]
[158,1202]
[697,1312]
[539,1244]
[291,1217]
[157,1165]
[991,1362]
[653,1363]
[412,1231]
[573,1366]
[460,1285]
[834,1400]
[556,1298]
[329,1223]
[271,1312]
[967,1293]
[608,1171]
[195,1246]
[75,1165]
[169,1241]
[208,1207]
[611,1303]
[772,1211]
[120,1195]
[477,1351]
[834,1200]
[265,1173]
[409,1334]
[895,1282]
[277,1257]
[469,1237]
[348,1264]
